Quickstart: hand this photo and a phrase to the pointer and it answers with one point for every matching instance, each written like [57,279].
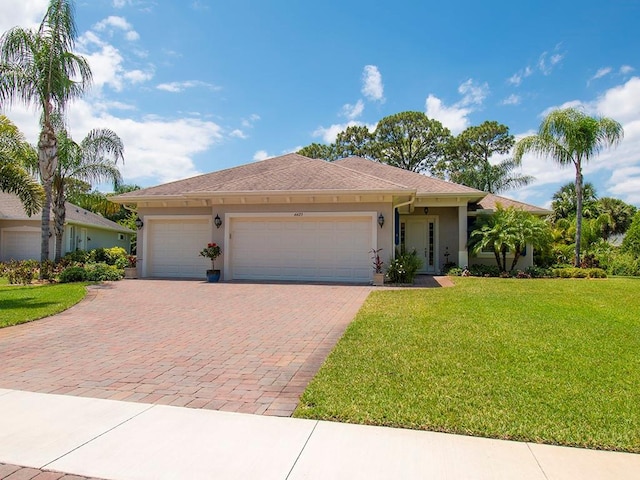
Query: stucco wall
[384,234]
[97,238]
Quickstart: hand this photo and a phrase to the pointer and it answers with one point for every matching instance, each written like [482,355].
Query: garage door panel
[310,249]
[20,245]
[174,245]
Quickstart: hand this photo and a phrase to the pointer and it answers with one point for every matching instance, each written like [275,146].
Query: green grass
[548,361]
[20,304]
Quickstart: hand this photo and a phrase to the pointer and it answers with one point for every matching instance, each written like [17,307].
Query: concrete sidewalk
[120,440]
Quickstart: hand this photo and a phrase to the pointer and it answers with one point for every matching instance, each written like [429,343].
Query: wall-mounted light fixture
[217,221]
[381,220]
[139,223]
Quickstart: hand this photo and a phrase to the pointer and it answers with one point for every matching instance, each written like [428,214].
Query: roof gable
[491,202]
[11,209]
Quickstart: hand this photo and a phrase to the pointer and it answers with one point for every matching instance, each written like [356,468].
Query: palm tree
[569,136]
[564,202]
[93,160]
[38,68]
[15,152]
[509,230]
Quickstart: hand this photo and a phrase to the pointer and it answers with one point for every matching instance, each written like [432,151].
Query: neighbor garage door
[326,249]
[20,245]
[172,247]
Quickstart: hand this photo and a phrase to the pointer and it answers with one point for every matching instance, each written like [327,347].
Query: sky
[201,85]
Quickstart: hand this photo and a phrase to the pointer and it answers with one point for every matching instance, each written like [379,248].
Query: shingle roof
[424,184]
[491,201]
[11,209]
[287,173]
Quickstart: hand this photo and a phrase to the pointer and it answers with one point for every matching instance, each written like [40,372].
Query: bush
[79,256]
[450,266]
[404,267]
[479,270]
[73,274]
[116,256]
[538,272]
[101,272]
[573,272]
[21,272]
[456,271]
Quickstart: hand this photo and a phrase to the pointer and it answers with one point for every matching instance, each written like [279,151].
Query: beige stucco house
[20,234]
[297,218]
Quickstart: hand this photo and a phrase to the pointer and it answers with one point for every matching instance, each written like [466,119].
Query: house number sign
[298,214]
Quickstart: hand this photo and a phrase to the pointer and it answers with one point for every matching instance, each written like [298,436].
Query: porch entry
[422,236]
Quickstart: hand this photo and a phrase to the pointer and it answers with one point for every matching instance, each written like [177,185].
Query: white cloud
[602,72]
[237,133]
[138,76]
[512,99]
[23,13]
[353,111]
[516,78]
[329,134]
[455,117]
[621,102]
[120,23]
[626,69]
[261,155]
[547,63]
[176,87]
[120,3]
[250,121]
[372,87]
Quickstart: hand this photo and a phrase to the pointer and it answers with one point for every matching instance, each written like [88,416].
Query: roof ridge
[368,174]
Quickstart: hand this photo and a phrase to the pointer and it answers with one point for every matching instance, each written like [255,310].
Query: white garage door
[20,245]
[173,246]
[327,249]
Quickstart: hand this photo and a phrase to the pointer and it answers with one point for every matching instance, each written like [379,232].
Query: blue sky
[197,86]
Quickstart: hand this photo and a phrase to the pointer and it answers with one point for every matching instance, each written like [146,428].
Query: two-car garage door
[320,248]
[315,248]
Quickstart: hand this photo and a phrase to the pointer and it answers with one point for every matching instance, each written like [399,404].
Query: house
[297,218]
[20,234]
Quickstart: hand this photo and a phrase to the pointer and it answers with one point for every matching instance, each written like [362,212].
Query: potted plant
[212,251]
[131,271]
[378,275]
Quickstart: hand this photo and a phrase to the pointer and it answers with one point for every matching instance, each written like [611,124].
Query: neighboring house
[20,235]
[296,218]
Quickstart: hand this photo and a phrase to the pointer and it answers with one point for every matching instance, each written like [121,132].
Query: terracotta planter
[130,272]
[378,279]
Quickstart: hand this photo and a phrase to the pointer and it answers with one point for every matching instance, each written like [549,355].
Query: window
[121,236]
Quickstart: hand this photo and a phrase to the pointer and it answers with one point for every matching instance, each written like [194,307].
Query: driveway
[237,347]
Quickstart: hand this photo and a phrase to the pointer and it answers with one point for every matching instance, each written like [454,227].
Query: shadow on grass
[22,303]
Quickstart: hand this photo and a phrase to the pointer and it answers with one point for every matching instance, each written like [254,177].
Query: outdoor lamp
[217,221]
[381,220]
[139,223]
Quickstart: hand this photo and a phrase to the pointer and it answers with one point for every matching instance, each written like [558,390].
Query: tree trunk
[498,261]
[47,163]
[576,260]
[516,257]
[59,216]
[504,260]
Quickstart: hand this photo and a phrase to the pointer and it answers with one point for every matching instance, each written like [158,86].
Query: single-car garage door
[21,245]
[172,247]
[326,249]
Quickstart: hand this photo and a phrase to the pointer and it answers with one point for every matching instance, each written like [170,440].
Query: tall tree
[410,140]
[355,141]
[571,137]
[15,153]
[93,160]
[618,214]
[39,68]
[320,150]
[468,159]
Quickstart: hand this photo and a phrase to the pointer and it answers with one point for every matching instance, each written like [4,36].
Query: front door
[422,237]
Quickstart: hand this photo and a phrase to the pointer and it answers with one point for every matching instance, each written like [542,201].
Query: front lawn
[19,304]
[551,361]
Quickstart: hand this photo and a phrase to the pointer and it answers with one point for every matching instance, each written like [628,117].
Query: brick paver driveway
[237,347]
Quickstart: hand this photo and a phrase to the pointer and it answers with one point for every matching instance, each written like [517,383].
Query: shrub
[404,267]
[116,256]
[101,272]
[538,272]
[20,272]
[479,270]
[73,274]
[631,242]
[623,263]
[79,256]
[450,266]
[456,271]
[573,272]
[98,255]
